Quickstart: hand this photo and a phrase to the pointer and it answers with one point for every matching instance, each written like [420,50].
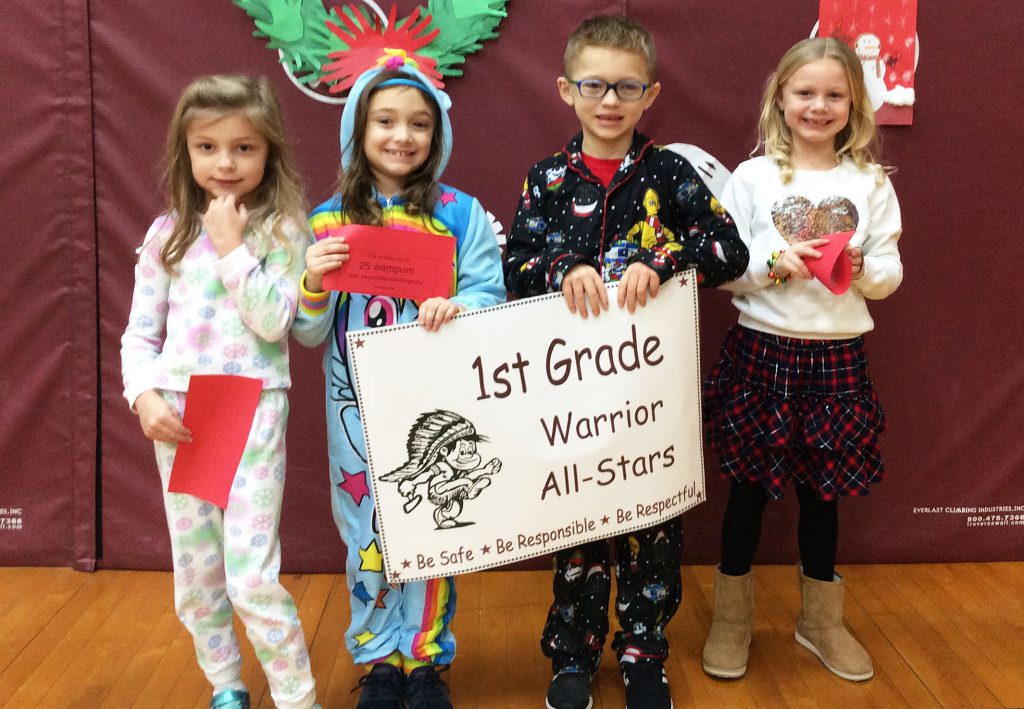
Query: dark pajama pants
[649,592]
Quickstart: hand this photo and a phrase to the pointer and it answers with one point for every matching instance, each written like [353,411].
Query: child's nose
[225,159]
[611,97]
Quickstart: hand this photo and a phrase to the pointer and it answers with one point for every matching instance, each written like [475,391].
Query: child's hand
[636,282]
[856,255]
[160,422]
[581,286]
[225,222]
[791,263]
[325,255]
[435,312]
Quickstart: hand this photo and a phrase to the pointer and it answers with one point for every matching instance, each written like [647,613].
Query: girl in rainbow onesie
[395,141]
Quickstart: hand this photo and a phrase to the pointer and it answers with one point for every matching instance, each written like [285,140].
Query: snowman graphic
[868,48]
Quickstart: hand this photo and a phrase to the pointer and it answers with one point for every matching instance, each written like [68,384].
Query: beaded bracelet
[776,278]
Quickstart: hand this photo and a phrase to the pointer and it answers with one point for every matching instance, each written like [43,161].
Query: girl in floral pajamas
[216,288]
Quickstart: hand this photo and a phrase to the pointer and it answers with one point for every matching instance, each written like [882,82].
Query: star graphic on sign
[682,281]
[406,563]
[604,520]
[359,591]
[485,549]
[360,342]
[370,558]
[447,198]
[395,576]
[379,603]
[365,637]
[355,485]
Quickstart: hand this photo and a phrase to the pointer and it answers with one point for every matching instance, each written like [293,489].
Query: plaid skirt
[781,409]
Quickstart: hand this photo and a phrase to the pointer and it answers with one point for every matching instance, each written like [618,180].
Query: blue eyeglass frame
[610,87]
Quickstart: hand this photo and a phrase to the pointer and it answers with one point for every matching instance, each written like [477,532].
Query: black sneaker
[646,686]
[570,689]
[426,690]
[382,688]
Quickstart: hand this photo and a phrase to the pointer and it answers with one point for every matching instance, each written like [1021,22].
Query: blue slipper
[230,699]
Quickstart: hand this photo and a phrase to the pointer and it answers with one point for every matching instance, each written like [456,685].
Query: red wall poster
[884,35]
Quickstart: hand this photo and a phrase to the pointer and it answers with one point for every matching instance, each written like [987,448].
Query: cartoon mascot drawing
[444,464]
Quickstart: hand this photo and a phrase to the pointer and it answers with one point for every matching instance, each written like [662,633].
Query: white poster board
[522,429]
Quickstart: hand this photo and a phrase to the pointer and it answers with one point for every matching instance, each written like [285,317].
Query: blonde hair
[276,201]
[858,139]
[614,32]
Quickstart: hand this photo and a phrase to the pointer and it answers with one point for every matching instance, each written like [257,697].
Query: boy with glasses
[611,206]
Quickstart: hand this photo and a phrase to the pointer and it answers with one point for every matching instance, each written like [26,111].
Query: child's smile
[608,122]
[815,102]
[399,129]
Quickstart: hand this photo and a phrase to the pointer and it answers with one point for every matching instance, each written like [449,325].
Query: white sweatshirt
[771,215]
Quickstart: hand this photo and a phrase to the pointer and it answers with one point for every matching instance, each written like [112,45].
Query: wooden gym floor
[941,635]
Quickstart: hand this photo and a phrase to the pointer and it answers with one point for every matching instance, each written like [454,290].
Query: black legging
[817,532]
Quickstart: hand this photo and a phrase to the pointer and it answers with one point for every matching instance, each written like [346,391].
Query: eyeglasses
[626,90]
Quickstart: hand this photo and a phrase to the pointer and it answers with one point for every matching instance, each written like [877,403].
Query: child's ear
[565,90]
[652,93]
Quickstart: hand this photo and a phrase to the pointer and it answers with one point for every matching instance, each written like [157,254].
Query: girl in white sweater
[789,400]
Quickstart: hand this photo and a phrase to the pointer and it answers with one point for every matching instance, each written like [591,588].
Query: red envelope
[219,410]
[833,268]
[401,264]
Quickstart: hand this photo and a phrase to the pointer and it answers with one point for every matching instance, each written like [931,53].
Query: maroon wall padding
[946,356]
[48,382]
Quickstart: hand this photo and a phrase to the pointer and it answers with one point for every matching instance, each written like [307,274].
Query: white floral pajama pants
[228,561]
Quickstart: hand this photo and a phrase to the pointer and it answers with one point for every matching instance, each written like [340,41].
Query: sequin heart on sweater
[799,219]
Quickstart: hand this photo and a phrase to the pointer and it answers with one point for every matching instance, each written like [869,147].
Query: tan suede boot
[820,629]
[728,643]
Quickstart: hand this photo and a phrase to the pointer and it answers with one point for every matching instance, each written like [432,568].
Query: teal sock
[236,685]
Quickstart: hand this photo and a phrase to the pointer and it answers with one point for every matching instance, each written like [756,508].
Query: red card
[219,410]
[401,264]
[833,268]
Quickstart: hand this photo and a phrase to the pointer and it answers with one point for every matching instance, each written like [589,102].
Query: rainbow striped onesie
[410,624]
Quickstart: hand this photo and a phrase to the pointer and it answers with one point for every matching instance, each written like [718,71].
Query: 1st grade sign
[522,429]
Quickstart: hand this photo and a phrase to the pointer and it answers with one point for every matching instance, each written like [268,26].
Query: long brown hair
[356,184]
[858,139]
[277,200]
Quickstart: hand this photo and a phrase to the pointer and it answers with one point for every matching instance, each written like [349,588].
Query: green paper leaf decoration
[298,30]
[468,8]
[286,20]
[464,25]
